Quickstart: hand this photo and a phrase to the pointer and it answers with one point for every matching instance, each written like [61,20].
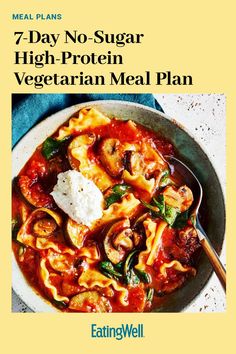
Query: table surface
[204,117]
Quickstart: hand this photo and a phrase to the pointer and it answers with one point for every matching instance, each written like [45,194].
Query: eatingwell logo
[119,333]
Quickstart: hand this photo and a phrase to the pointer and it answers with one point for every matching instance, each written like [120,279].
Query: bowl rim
[66,115]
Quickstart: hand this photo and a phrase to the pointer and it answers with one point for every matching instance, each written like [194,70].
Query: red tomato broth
[42,175]
[122,131]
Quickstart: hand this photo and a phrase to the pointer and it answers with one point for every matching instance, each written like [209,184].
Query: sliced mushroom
[75,233]
[111,155]
[40,224]
[44,227]
[123,239]
[118,241]
[143,160]
[90,301]
[34,193]
[187,197]
[134,163]
[181,198]
[139,232]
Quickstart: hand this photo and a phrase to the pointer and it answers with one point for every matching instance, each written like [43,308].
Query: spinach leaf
[113,198]
[59,304]
[120,188]
[117,192]
[143,276]
[124,271]
[181,220]
[51,147]
[162,210]
[170,215]
[129,261]
[131,278]
[193,220]
[153,208]
[107,268]
[120,266]
[150,294]
[160,203]
[165,180]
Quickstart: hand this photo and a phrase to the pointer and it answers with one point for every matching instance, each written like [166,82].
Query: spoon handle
[213,258]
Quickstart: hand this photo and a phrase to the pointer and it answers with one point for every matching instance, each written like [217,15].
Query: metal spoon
[181,170]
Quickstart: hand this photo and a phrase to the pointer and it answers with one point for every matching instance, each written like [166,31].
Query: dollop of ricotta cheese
[78,197]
